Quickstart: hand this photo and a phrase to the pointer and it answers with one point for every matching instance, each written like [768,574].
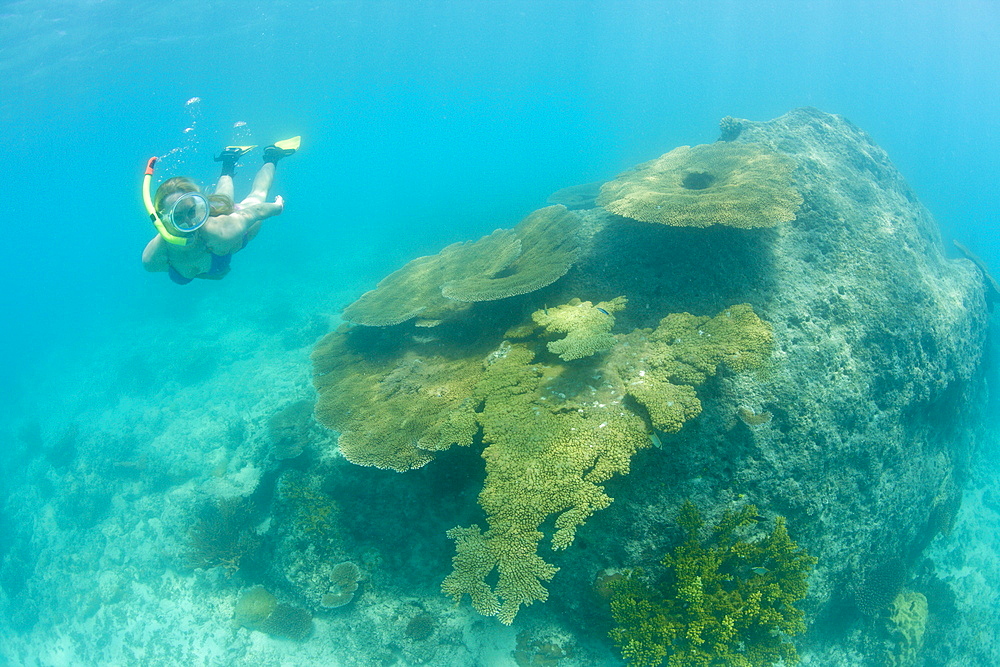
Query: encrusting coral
[508,262]
[908,622]
[734,184]
[723,599]
[554,431]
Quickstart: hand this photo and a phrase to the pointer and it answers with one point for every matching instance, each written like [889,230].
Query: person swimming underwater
[197,236]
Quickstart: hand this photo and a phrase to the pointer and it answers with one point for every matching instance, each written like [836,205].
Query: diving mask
[187,213]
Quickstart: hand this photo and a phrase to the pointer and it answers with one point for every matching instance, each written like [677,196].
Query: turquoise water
[423,124]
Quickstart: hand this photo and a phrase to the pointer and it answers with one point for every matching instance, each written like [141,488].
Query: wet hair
[220,204]
[177,184]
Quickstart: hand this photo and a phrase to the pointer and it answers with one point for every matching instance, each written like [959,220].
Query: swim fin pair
[272,153]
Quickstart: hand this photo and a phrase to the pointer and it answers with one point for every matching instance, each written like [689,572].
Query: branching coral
[553,431]
[723,600]
[223,536]
[536,253]
[543,459]
[733,184]
[587,327]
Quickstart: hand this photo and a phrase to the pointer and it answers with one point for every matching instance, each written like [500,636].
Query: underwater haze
[171,485]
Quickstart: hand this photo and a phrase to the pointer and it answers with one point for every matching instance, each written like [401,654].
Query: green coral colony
[558,399]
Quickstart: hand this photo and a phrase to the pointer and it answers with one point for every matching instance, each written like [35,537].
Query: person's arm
[226,232]
[154,257]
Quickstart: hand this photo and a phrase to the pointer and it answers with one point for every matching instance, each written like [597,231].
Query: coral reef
[536,253]
[344,580]
[289,430]
[553,433]
[908,622]
[864,341]
[723,599]
[732,184]
[223,536]
[587,327]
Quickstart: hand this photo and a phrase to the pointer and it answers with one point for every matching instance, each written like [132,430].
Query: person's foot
[280,149]
[273,153]
[230,156]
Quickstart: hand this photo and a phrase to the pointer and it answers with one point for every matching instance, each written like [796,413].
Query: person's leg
[225,186]
[261,184]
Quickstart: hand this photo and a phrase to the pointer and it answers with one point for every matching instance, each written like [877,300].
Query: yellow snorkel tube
[147,199]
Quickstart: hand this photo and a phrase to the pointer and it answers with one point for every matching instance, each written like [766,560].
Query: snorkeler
[198,235]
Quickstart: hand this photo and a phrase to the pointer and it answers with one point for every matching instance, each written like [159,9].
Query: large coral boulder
[859,430]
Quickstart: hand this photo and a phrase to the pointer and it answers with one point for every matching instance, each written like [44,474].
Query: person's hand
[280,202]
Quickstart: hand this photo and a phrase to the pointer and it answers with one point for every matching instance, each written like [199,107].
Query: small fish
[604,311]
[759,570]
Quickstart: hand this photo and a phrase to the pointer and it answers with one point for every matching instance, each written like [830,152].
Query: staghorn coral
[723,600]
[734,184]
[587,327]
[508,262]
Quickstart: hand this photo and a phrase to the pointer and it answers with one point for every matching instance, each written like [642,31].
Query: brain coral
[508,262]
[734,184]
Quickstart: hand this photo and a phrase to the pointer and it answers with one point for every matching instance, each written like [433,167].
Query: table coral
[393,406]
[734,184]
[548,238]
[343,585]
[508,262]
